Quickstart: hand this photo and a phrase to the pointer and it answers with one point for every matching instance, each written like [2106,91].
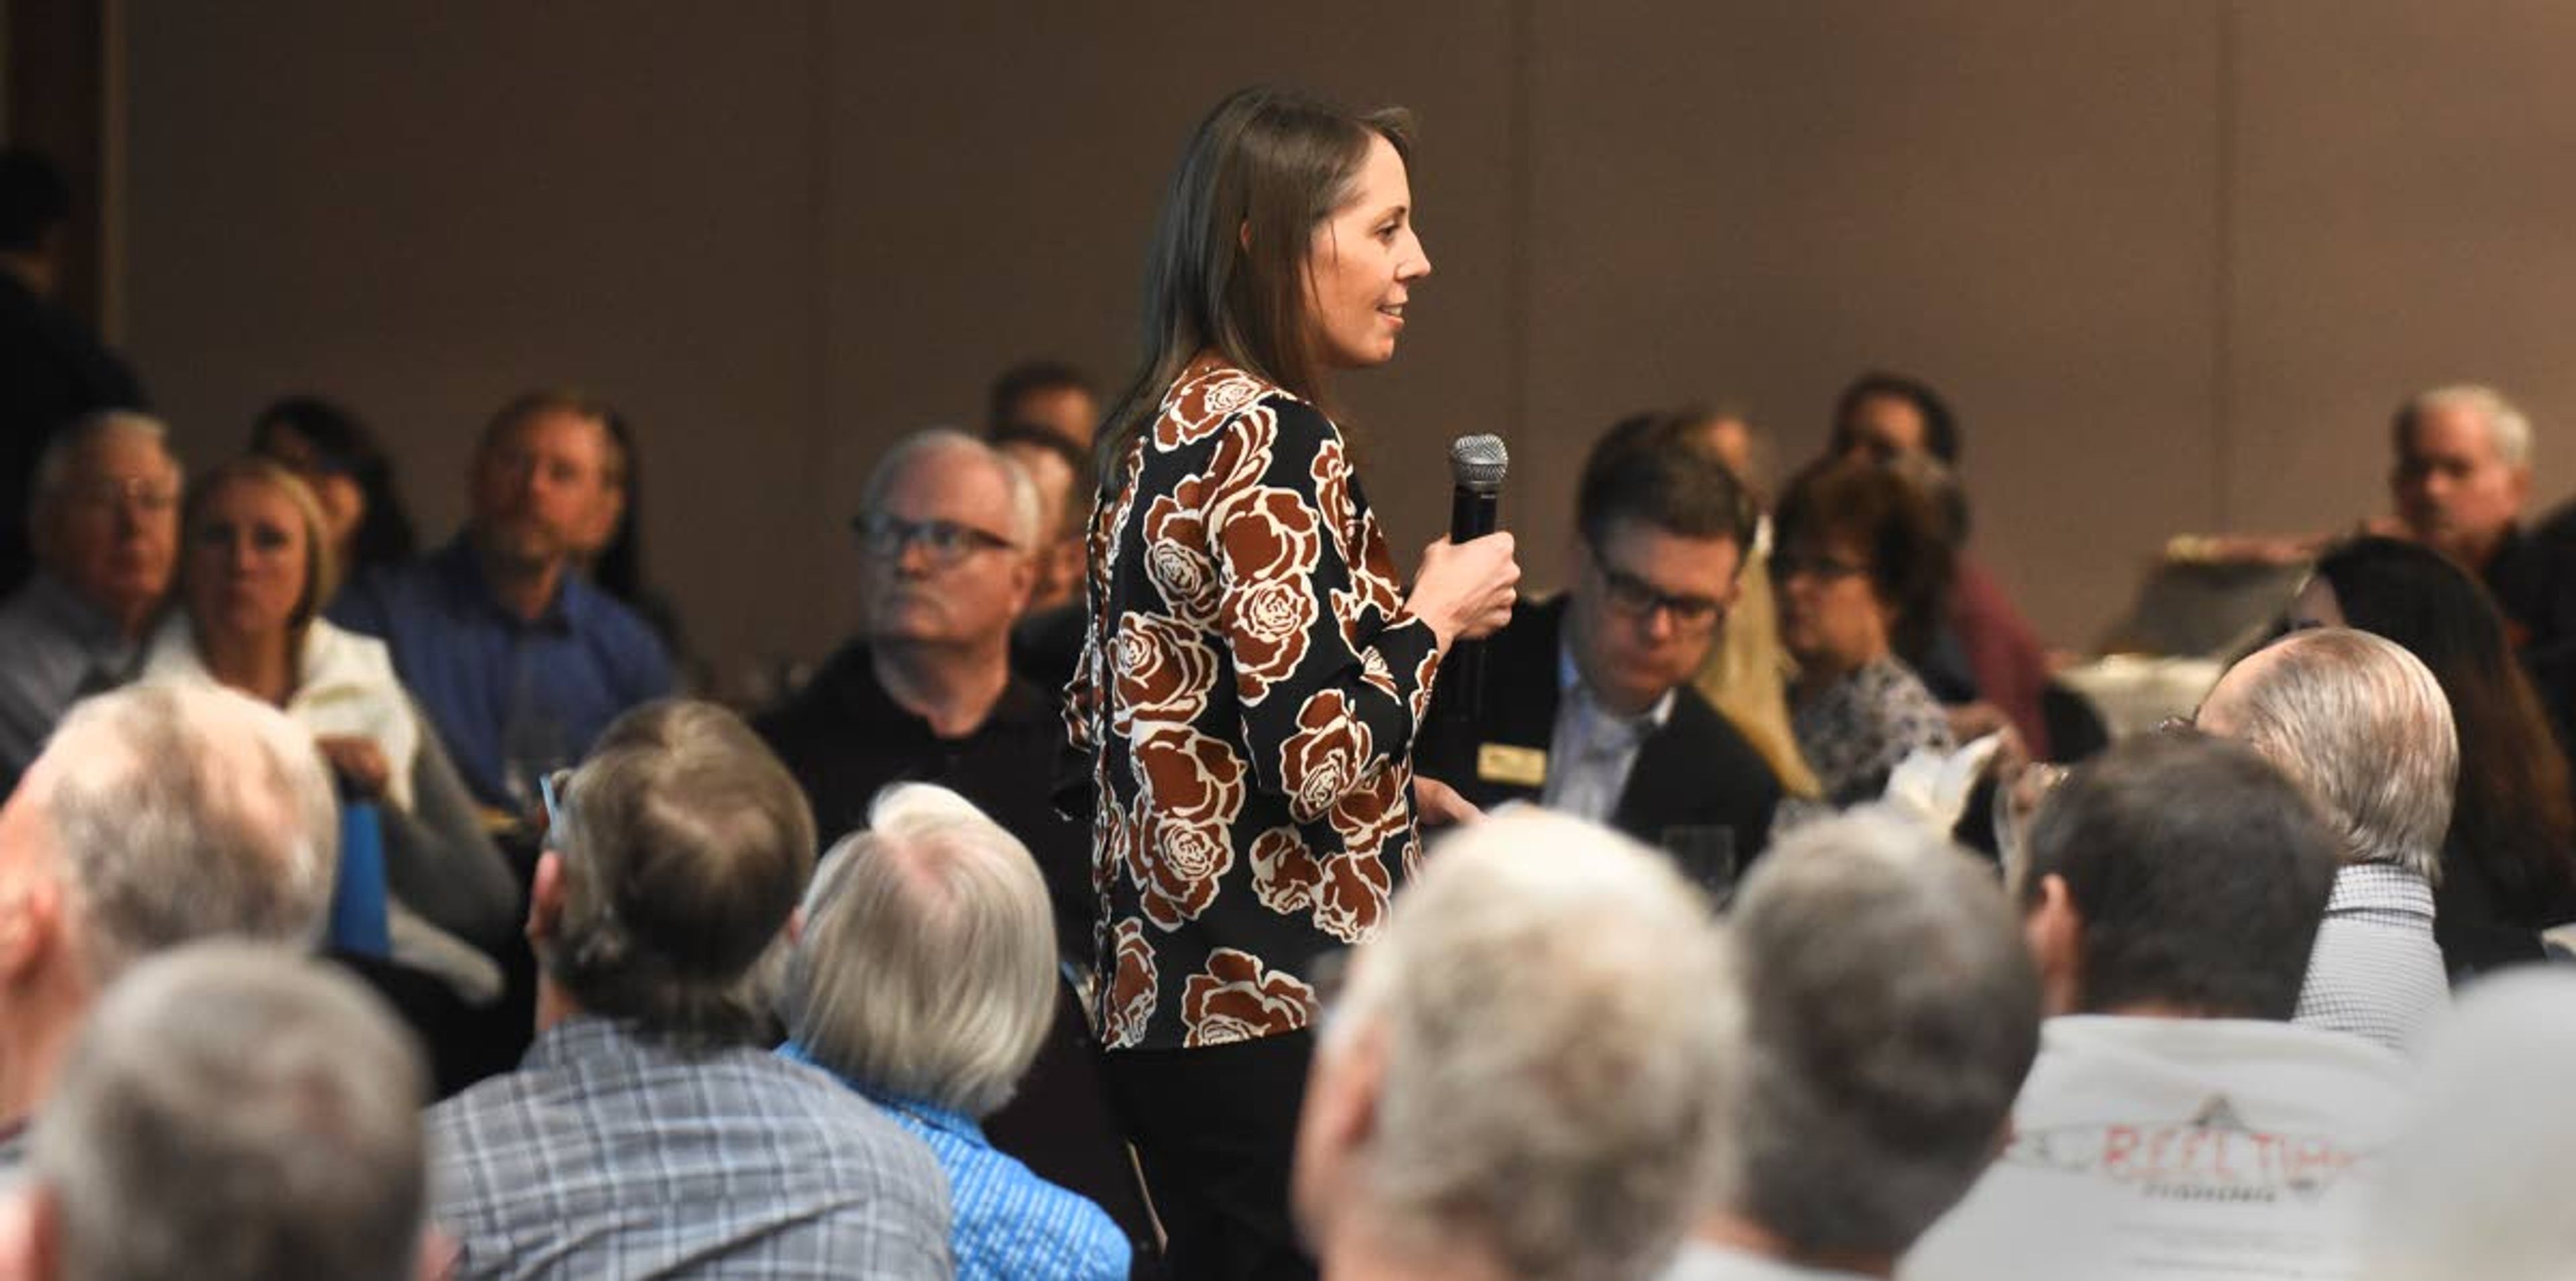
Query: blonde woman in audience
[925,980]
[254,566]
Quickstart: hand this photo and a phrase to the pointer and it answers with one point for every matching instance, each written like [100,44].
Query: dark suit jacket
[1695,771]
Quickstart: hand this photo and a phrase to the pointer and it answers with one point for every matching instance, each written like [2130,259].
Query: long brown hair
[2513,818]
[1226,269]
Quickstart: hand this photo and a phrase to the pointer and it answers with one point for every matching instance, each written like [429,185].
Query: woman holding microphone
[1254,673]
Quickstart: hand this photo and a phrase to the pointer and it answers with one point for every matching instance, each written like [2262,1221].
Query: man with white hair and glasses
[2364,727]
[1529,1074]
[926,692]
[104,527]
[1892,1011]
[648,1132]
[926,980]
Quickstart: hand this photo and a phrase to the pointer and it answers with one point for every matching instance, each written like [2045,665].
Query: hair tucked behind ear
[1226,269]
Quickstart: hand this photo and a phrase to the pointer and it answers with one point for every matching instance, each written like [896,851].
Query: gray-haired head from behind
[927,966]
[234,1112]
[1892,1010]
[1560,1039]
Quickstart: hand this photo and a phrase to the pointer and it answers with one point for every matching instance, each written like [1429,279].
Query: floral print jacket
[1248,693]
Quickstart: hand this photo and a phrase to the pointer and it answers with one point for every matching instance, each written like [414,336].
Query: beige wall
[2173,262]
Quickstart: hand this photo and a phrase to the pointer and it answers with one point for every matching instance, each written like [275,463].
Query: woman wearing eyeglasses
[1858,567]
[1255,674]
[254,565]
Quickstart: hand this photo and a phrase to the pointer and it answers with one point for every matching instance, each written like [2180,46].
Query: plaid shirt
[608,1154]
[2375,970]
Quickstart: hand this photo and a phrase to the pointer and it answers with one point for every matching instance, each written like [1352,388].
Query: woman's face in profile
[1362,264]
[246,560]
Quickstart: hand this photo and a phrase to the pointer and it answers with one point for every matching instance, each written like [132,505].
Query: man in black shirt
[926,692]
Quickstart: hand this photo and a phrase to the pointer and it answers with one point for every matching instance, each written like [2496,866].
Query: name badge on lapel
[1511,765]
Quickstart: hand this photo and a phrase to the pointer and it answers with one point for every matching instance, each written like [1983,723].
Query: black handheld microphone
[1476,467]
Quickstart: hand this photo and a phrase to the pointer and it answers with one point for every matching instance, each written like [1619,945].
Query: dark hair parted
[1940,426]
[337,441]
[2512,823]
[1226,270]
[1654,469]
[1884,518]
[2200,871]
[1026,379]
[687,846]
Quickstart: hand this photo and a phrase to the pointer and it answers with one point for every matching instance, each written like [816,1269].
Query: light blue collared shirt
[54,648]
[1008,1224]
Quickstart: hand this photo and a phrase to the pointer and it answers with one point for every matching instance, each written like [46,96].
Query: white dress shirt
[1592,749]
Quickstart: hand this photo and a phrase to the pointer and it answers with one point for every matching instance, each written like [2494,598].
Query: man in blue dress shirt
[518,660]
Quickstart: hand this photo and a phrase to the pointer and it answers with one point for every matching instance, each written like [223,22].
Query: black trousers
[1216,1130]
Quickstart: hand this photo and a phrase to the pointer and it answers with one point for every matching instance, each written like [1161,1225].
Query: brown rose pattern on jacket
[1131,984]
[1237,998]
[1249,695]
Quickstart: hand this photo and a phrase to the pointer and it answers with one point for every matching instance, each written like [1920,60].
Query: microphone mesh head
[1478,462]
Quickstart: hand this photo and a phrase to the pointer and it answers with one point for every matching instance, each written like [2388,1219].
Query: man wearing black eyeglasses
[946,539]
[925,693]
[1588,706]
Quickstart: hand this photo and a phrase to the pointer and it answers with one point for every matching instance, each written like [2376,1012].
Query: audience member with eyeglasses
[106,534]
[1858,568]
[925,692]
[1589,706]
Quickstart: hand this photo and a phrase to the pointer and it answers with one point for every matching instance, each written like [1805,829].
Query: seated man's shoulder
[371,602]
[2287,1070]
[730,1097]
[829,699]
[621,637]
[1052,1231]
[2228,1145]
[1710,731]
[24,613]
